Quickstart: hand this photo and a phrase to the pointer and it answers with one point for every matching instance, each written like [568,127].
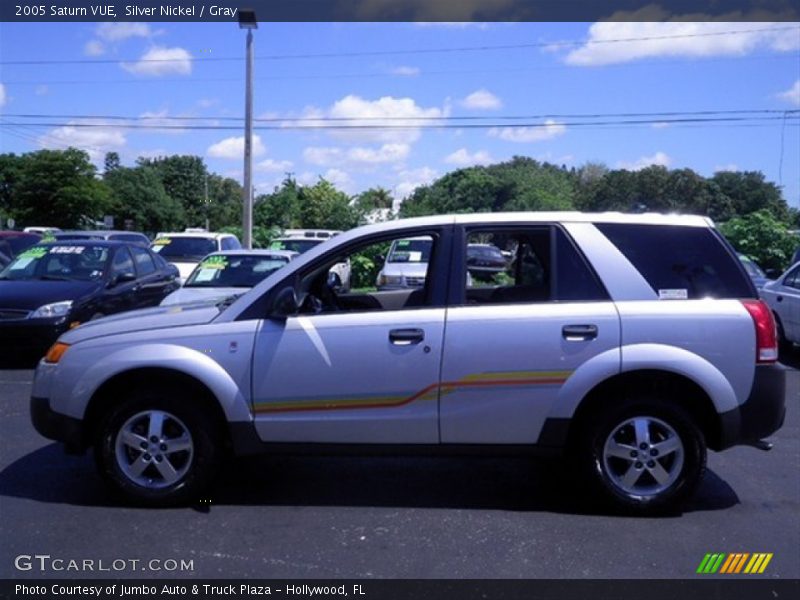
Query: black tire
[647,496]
[194,468]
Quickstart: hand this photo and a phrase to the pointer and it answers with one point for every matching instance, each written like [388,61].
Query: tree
[111,162]
[763,238]
[184,179]
[749,192]
[139,196]
[323,206]
[59,188]
[374,198]
[279,209]
[10,172]
[224,207]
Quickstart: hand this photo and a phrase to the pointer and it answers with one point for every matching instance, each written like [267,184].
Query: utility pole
[247,20]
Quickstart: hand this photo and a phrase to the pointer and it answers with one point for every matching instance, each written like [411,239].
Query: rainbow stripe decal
[734,563]
[504,379]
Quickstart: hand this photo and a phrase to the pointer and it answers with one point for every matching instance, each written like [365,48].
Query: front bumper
[762,414]
[29,339]
[56,426]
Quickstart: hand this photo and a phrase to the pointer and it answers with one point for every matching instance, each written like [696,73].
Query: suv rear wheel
[646,456]
[157,450]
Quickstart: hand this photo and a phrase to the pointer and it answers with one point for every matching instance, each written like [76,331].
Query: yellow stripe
[728,563]
[751,563]
[327,403]
[741,562]
[765,563]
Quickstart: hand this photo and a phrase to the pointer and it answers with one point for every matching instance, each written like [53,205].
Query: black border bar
[399,10]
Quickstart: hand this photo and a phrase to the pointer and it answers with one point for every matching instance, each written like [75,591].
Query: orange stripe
[741,562]
[728,562]
[445,387]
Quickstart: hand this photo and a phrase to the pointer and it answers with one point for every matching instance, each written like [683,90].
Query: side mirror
[121,278]
[285,304]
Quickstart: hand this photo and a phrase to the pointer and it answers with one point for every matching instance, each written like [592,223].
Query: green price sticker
[35,252]
[214,262]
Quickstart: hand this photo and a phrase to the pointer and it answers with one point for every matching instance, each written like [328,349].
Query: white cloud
[94,48]
[463,158]
[548,130]
[159,61]
[359,156]
[116,32]
[339,178]
[233,148]
[405,71]
[677,37]
[271,165]
[412,179]
[482,100]
[658,159]
[96,141]
[792,95]
[385,111]
[2,95]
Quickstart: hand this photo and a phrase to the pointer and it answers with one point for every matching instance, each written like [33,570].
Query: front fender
[188,361]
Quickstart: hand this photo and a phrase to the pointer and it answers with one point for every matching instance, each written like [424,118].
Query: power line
[483,48]
[313,76]
[137,126]
[286,120]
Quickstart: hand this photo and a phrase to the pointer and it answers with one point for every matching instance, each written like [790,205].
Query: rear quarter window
[679,261]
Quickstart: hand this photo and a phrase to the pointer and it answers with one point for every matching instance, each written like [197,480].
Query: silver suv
[629,343]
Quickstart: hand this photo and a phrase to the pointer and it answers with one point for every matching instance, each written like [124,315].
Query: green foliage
[262,236]
[56,188]
[749,192]
[374,198]
[139,196]
[279,209]
[322,206]
[366,264]
[762,237]
[224,206]
[184,179]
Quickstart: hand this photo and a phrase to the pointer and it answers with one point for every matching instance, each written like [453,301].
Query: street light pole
[247,20]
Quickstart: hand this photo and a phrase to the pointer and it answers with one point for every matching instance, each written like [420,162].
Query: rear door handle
[406,337]
[579,333]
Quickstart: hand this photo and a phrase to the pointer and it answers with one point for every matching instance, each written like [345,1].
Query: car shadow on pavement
[516,484]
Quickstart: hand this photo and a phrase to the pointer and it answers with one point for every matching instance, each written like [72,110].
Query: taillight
[766,333]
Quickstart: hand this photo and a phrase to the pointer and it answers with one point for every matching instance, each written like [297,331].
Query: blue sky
[678,67]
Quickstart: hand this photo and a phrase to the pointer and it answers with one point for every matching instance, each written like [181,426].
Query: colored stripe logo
[504,379]
[737,562]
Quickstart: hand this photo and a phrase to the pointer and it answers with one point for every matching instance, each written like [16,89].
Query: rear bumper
[56,426]
[762,414]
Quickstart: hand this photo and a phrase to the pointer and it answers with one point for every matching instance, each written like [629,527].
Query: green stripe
[701,568]
[718,563]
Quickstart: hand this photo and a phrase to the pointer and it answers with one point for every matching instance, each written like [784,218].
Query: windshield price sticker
[33,253]
[673,294]
[67,249]
[214,262]
[162,242]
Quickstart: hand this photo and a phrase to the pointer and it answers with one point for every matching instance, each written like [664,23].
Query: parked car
[13,243]
[40,230]
[629,361]
[406,264]
[123,236]
[303,240]
[485,260]
[231,273]
[186,249]
[755,272]
[52,287]
[783,298]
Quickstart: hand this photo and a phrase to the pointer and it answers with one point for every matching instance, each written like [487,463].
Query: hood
[143,320]
[198,294]
[30,294]
[405,269]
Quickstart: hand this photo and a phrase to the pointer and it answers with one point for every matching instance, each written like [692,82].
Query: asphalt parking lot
[300,517]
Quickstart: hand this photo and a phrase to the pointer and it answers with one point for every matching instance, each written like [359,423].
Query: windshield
[410,251]
[753,270]
[299,245]
[189,248]
[61,262]
[234,271]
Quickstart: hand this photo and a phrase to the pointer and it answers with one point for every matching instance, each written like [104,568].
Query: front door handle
[406,337]
[579,333]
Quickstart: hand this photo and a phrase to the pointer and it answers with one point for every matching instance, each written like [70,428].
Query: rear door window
[680,262]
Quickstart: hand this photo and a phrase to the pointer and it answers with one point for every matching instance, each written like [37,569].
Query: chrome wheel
[643,456]
[154,449]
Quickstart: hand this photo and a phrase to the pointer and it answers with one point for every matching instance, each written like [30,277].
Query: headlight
[390,280]
[49,311]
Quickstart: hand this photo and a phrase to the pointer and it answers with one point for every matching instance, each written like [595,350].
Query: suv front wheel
[645,457]
[157,449]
